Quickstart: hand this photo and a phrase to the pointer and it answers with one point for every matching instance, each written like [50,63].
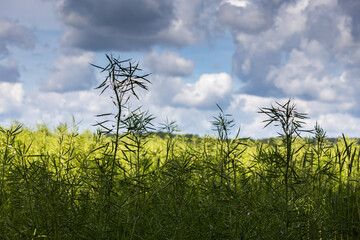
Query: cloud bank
[71,73]
[306,50]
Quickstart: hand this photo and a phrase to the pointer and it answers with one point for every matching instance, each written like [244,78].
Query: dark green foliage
[133,184]
[211,188]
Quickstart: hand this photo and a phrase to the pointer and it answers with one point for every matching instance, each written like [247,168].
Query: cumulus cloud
[189,120]
[168,63]
[193,22]
[11,99]
[134,25]
[245,16]
[12,33]
[352,8]
[306,49]
[331,122]
[203,94]
[113,24]
[53,107]
[330,115]
[206,92]
[35,107]
[257,53]
[163,89]
[306,75]
[71,73]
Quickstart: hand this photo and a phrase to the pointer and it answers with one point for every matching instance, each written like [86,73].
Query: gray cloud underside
[312,45]
[12,33]
[352,7]
[168,63]
[308,50]
[9,73]
[135,25]
[113,24]
[257,16]
[266,33]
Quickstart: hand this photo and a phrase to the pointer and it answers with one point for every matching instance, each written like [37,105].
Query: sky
[239,54]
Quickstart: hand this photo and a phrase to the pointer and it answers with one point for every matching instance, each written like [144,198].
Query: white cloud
[290,20]
[71,73]
[189,120]
[11,97]
[193,23]
[162,90]
[306,50]
[168,63]
[237,3]
[210,89]
[245,109]
[307,74]
[309,52]
[53,108]
[35,107]
[330,116]
[337,123]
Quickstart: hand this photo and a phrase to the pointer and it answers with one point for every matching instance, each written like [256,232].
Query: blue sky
[241,54]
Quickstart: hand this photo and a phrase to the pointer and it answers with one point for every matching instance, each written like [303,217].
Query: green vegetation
[135,184]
